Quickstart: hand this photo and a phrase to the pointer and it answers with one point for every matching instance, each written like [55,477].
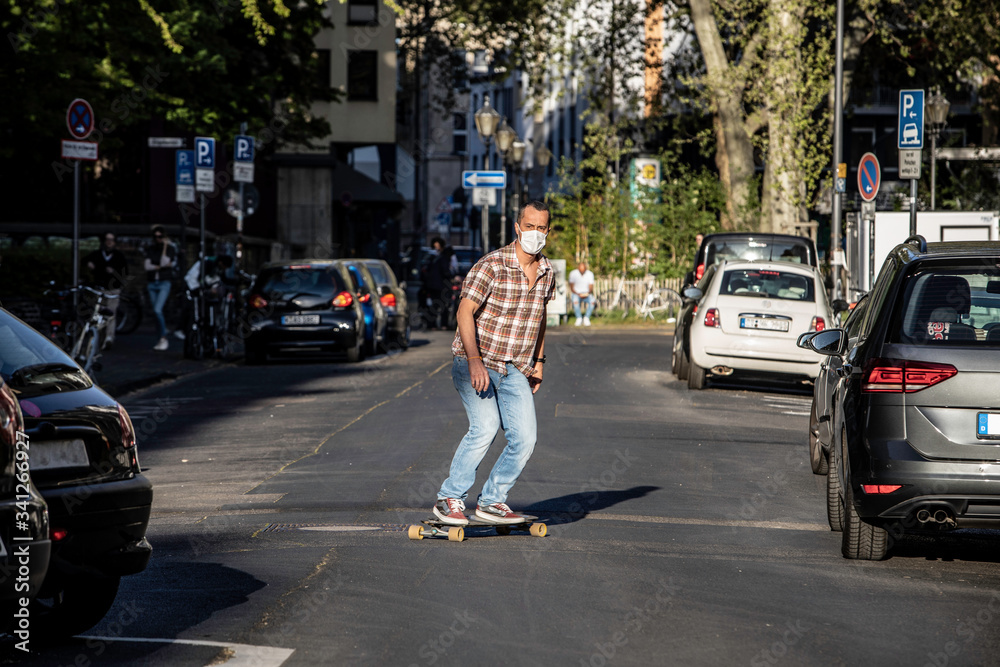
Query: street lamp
[505,137]
[517,156]
[937,115]
[487,120]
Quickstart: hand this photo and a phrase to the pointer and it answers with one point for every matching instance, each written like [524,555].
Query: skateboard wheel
[415,533]
[539,529]
[503,530]
[456,534]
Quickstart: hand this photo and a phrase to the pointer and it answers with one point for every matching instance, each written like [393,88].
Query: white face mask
[532,241]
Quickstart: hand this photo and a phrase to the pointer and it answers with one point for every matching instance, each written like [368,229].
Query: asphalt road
[684,528]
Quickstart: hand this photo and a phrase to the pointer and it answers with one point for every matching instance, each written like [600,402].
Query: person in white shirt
[581,284]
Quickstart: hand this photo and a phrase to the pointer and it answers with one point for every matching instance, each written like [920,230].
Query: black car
[914,415]
[392,294]
[24,519]
[83,460]
[680,359]
[304,307]
[751,246]
[376,317]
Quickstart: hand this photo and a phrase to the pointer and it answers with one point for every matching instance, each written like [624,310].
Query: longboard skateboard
[438,528]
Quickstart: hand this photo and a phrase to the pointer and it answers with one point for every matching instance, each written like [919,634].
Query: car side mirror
[839,306]
[803,340]
[693,293]
[829,342]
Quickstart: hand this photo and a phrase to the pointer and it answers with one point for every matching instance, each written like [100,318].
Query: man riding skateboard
[499,356]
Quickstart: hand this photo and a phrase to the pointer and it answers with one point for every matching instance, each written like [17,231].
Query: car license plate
[300,319]
[56,454]
[988,425]
[766,323]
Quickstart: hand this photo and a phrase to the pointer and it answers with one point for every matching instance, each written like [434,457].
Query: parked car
[304,307]
[681,351]
[467,256]
[915,424]
[84,462]
[749,318]
[376,318]
[392,294]
[24,517]
[748,246]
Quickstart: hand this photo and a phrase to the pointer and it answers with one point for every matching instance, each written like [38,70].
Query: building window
[458,143]
[362,75]
[361,12]
[460,134]
[322,57]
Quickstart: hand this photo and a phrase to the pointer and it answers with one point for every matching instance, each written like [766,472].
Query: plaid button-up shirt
[509,312]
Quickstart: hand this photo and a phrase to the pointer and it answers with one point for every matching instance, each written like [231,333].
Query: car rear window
[286,283]
[768,283]
[31,364]
[942,305]
[380,274]
[763,250]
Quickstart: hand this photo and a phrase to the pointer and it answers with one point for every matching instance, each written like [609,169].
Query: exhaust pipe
[940,516]
[722,370]
[923,516]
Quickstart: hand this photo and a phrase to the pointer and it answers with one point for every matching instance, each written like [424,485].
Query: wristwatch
[540,360]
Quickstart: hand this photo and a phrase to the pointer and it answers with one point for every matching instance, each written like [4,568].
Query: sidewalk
[132,363]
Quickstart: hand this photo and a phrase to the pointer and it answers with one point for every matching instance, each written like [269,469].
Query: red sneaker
[498,513]
[451,511]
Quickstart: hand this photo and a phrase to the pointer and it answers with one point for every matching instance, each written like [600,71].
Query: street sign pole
[239,218]
[910,129]
[838,124]
[76,240]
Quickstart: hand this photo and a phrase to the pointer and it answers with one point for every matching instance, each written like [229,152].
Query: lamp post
[517,156]
[505,137]
[487,120]
[937,114]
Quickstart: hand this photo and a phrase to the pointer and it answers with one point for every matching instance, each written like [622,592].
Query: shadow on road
[576,506]
[976,545]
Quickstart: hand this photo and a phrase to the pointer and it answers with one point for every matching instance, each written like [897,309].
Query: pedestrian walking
[581,284]
[161,258]
[109,270]
[499,355]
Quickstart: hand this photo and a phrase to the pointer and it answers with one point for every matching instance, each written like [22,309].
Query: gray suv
[910,413]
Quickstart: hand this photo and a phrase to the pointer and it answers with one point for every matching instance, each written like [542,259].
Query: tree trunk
[727,104]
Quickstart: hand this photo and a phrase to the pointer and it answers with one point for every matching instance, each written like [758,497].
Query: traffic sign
[484,197]
[869,176]
[909,165]
[484,179]
[204,152]
[80,119]
[243,172]
[244,148]
[165,142]
[79,150]
[184,162]
[911,119]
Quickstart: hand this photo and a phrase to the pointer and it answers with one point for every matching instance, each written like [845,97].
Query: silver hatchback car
[911,407]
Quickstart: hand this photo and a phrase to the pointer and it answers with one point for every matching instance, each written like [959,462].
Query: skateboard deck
[437,528]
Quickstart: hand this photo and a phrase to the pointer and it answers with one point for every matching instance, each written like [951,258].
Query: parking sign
[244,148]
[204,152]
[911,119]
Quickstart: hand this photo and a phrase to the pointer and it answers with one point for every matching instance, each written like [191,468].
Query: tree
[199,67]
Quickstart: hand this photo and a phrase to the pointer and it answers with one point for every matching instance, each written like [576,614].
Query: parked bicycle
[87,345]
[656,303]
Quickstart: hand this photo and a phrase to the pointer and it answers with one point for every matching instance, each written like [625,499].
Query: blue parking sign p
[244,148]
[911,119]
[204,152]
[185,167]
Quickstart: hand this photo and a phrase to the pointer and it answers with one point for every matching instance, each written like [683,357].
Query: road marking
[244,655]
[726,523]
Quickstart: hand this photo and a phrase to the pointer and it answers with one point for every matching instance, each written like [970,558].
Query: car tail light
[897,376]
[712,317]
[257,301]
[876,489]
[58,534]
[818,324]
[343,300]
[364,298]
[128,433]
[699,272]
[388,300]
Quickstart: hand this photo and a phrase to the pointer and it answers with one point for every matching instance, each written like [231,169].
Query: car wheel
[675,359]
[834,505]
[77,604]
[403,339]
[683,365]
[696,376]
[860,540]
[354,355]
[817,456]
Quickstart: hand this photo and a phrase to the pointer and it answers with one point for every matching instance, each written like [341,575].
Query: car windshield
[287,283]
[380,274]
[949,304]
[32,364]
[768,283]
[763,250]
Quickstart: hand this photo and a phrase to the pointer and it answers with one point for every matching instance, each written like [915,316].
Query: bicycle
[660,300]
[87,345]
[618,297]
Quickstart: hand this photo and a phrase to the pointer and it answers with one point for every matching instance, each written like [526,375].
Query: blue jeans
[159,290]
[507,403]
[577,299]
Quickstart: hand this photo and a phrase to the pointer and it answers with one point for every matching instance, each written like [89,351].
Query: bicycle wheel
[129,315]
[664,303]
[88,348]
[605,301]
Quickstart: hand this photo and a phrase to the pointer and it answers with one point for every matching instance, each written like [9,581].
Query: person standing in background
[161,257]
[581,285]
[109,268]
